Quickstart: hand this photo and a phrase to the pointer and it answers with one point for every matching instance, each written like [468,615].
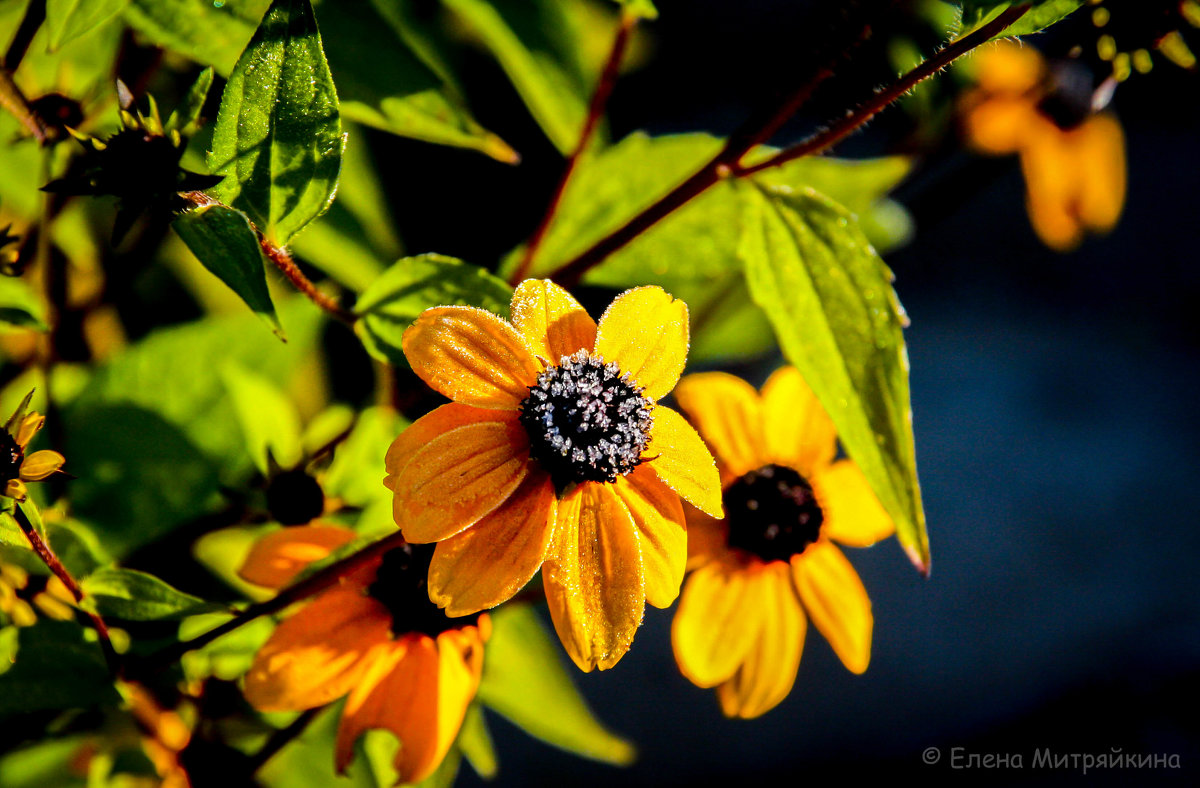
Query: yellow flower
[772,562]
[403,665]
[22,595]
[555,454]
[1073,159]
[15,467]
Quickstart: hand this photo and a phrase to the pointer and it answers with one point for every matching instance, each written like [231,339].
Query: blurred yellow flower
[1073,158]
[22,596]
[554,454]
[404,665]
[15,467]
[771,563]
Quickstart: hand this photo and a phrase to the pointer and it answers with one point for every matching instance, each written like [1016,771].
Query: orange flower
[15,467]
[404,665]
[554,454]
[757,573]
[1073,159]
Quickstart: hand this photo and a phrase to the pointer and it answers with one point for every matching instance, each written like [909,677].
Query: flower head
[1072,157]
[403,665]
[15,467]
[771,564]
[554,454]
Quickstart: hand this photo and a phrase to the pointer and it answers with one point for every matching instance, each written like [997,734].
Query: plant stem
[13,100]
[35,15]
[313,584]
[604,88]
[280,738]
[727,163]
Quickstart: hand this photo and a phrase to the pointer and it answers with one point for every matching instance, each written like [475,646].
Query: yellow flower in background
[1073,158]
[15,467]
[23,595]
[771,564]
[554,454]
[375,638]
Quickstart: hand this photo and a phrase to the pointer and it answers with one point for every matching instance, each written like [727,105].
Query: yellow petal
[797,430]
[471,356]
[853,515]
[15,488]
[717,622]
[836,601]
[316,656]
[662,534]
[727,413]
[29,427]
[769,671]
[645,331]
[998,124]
[40,464]
[431,425]
[1051,186]
[279,556]
[494,559]
[458,477]
[593,578]
[707,537]
[551,321]
[1009,68]
[681,459]
[1100,146]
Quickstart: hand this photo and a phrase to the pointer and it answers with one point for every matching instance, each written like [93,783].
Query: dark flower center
[402,585]
[294,497]
[586,421]
[1068,99]
[11,456]
[772,513]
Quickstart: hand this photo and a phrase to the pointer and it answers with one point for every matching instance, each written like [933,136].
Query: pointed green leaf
[476,743]
[9,646]
[136,596]
[210,33]
[67,20]
[278,137]
[186,117]
[268,418]
[19,306]
[829,297]
[1042,15]
[223,240]
[414,284]
[524,680]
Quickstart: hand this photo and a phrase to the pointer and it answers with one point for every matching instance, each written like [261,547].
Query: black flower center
[294,497]
[402,585]
[1068,99]
[11,456]
[586,421]
[772,513]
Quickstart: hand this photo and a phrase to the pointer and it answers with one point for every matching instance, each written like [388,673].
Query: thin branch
[280,739]
[13,100]
[35,15]
[604,88]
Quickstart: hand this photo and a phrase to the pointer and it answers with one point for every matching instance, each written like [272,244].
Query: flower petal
[551,321]
[1100,146]
[681,459]
[726,412]
[1006,67]
[280,555]
[707,538]
[316,655]
[645,331]
[1052,178]
[797,430]
[442,419]
[15,488]
[40,464]
[853,515]
[836,601]
[662,534]
[458,477]
[29,427]
[997,124]
[769,671]
[717,622]
[594,577]
[493,559]
[471,356]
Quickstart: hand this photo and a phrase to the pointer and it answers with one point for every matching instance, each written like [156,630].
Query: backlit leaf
[137,596]
[67,20]
[1042,14]
[19,306]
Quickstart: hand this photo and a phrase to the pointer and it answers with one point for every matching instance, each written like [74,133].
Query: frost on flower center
[402,585]
[587,422]
[11,456]
[773,513]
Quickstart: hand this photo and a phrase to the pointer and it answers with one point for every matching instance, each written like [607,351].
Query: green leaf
[209,33]
[9,646]
[136,596]
[186,117]
[308,759]
[225,243]
[45,764]
[224,551]
[356,473]
[77,547]
[19,306]
[644,9]
[414,284]
[524,680]
[476,743]
[67,20]
[1042,15]
[829,297]
[229,656]
[57,668]
[278,137]
[268,418]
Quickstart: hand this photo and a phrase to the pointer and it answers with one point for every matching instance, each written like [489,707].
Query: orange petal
[836,601]
[1009,68]
[727,413]
[279,556]
[316,656]
[717,622]
[662,535]
[998,124]
[769,671]
[40,464]
[29,427]
[681,459]
[15,488]
[594,577]
[431,425]
[645,331]
[493,559]
[1052,178]
[853,515]
[797,430]
[707,537]
[458,477]
[551,321]
[471,356]
[1100,146]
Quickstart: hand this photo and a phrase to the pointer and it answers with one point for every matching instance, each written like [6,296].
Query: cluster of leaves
[176,421]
